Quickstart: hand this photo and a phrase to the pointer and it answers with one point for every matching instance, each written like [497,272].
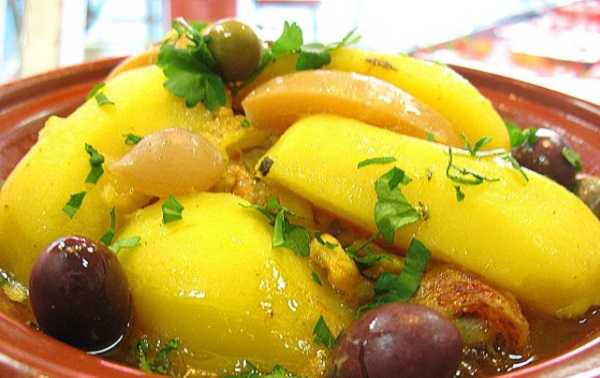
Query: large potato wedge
[213,280]
[534,238]
[436,85]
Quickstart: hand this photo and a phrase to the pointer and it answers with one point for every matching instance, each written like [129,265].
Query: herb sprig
[322,334]
[159,362]
[74,203]
[98,95]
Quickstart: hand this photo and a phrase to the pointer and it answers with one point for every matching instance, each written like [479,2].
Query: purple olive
[401,341]
[79,294]
[545,156]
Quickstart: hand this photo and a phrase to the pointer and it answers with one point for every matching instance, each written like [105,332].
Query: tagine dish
[226,207]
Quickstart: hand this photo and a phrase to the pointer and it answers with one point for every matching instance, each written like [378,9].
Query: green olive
[236,48]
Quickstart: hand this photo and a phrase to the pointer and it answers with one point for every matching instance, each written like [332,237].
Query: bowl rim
[18,340]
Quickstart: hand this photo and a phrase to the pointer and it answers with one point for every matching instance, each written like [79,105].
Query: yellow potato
[32,199]
[213,280]
[534,238]
[433,84]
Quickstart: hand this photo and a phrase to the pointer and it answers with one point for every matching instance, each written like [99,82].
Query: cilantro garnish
[159,363]
[191,71]
[311,55]
[392,210]
[245,123]
[73,204]
[108,236]
[100,97]
[365,260]
[131,242]
[323,335]
[315,277]
[463,175]
[250,371]
[473,149]
[285,234]
[460,196]
[572,157]
[132,139]
[171,210]
[519,136]
[376,160]
[391,287]
[323,242]
[96,161]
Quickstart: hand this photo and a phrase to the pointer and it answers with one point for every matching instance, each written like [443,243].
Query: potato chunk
[213,280]
[535,238]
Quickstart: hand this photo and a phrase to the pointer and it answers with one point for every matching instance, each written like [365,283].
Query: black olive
[265,166]
[79,294]
[545,156]
[399,341]
[235,47]
[588,189]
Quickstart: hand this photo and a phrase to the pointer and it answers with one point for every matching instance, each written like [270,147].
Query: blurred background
[553,43]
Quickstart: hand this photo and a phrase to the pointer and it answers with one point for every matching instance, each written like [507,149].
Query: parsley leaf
[315,277]
[96,161]
[463,175]
[473,149]
[572,157]
[519,136]
[73,204]
[289,41]
[160,362]
[171,210]
[100,97]
[366,259]
[460,196]
[191,71]
[431,137]
[323,335]
[392,210]
[285,234]
[108,236]
[131,242]
[515,164]
[313,56]
[245,123]
[391,287]
[323,242]
[251,371]
[132,139]
[376,160]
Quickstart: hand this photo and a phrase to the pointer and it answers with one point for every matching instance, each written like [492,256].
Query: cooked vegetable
[213,280]
[540,262]
[277,104]
[435,85]
[399,340]
[546,156]
[171,161]
[79,294]
[235,47]
[588,189]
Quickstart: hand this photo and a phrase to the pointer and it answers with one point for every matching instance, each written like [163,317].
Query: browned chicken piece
[341,272]
[458,295]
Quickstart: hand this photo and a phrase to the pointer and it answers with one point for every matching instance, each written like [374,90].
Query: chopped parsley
[431,137]
[96,161]
[572,157]
[322,334]
[131,242]
[100,97]
[159,362]
[108,236]
[285,234]
[73,204]
[250,371]
[311,55]
[464,176]
[315,277]
[366,259]
[191,71]
[473,149]
[460,196]
[245,123]
[515,164]
[171,210]
[376,160]
[392,209]
[323,242]
[519,136]
[132,139]
[391,287]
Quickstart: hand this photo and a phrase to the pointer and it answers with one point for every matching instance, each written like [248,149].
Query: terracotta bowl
[26,104]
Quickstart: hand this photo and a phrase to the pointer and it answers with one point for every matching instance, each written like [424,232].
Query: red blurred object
[205,10]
